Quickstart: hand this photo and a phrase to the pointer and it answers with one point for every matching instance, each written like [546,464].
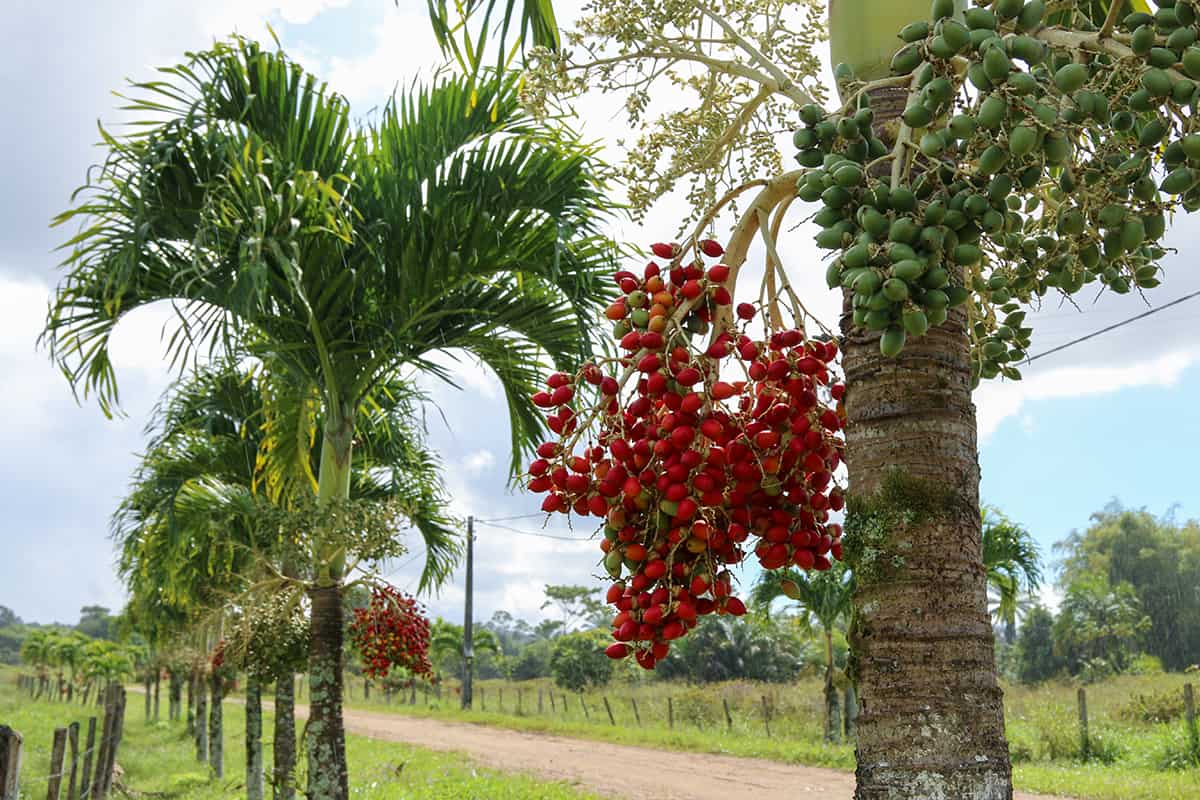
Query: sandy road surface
[619,771]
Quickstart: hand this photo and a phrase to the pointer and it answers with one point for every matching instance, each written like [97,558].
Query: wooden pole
[89,748]
[670,713]
[501,698]
[520,701]
[766,715]
[636,715]
[10,763]
[1084,744]
[73,747]
[1189,712]
[58,752]
[540,700]
[564,699]
[96,792]
[552,706]
[482,699]
[118,730]
[157,681]
[728,716]
[608,708]
[468,623]
[583,703]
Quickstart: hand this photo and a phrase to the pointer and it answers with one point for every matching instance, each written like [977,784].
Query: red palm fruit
[672,630]
[687,376]
[597,506]
[580,507]
[722,391]
[682,436]
[645,659]
[628,284]
[830,420]
[778,369]
[625,603]
[687,509]
[685,611]
[758,371]
[614,593]
[577,483]
[838,390]
[735,606]
[627,631]
[746,311]
[711,248]
[836,550]
[653,615]
[804,559]
[818,501]
[645,632]
[660,650]
[675,492]
[580,464]
[655,569]
[812,440]
[831,349]
[699,585]
[718,273]
[691,289]
[792,337]
[809,365]
[552,503]
[718,349]
[616,650]
[748,351]
[837,501]
[821,563]
[540,484]
[618,310]
[555,424]
[631,341]
[542,400]
[766,439]
[620,449]
[711,428]
[635,552]
[692,403]
[660,596]
[656,383]
[621,275]
[558,379]
[663,250]
[548,449]
[632,487]
[538,466]
[609,385]
[649,363]
[651,340]
[705,606]
[713,498]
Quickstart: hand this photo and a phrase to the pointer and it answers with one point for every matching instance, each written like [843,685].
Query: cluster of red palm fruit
[690,466]
[392,631]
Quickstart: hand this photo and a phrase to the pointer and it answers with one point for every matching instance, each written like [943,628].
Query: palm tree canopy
[1012,561]
[536,25]
[246,196]
[825,594]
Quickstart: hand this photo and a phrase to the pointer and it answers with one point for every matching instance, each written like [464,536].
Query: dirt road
[618,771]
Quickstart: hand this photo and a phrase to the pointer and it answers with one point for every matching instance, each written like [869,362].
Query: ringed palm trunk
[931,720]
[254,746]
[833,715]
[201,727]
[328,777]
[216,724]
[283,773]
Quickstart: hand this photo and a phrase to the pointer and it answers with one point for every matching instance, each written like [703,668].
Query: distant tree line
[95,622]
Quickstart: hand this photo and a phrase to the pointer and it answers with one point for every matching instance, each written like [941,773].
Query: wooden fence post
[552,706]
[520,701]
[583,703]
[97,792]
[89,747]
[1189,712]
[564,699]
[728,717]
[1084,745]
[670,713]
[608,708]
[636,715]
[73,747]
[766,715]
[482,700]
[501,698]
[10,762]
[412,699]
[58,752]
[540,700]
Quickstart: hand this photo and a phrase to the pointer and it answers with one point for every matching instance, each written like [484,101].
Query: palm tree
[1013,564]
[338,256]
[823,596]
[35,651]
[448,641]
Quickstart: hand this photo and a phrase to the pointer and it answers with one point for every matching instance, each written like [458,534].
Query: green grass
[1131,760]
[159,760]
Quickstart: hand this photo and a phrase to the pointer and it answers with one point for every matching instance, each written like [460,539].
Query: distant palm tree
[447,640]
[1013,564]
[824,596]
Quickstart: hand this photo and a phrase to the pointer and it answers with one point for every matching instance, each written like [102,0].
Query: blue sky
[1112,418]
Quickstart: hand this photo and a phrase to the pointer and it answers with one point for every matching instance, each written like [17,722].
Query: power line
[531,533]
[510,519]
[1114,326]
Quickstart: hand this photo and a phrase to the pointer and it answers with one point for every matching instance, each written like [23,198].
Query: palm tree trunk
[1010,631]
[191,703]
[931,721]
[149,695]
[174,690]
[283,774]
[201,729]
[157,681]
[216,738]
[833,717]
[254,747]
[327,773]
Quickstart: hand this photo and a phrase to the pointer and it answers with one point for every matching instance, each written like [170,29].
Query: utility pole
[468,644]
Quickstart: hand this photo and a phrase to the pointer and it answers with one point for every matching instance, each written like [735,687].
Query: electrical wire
[1114,326]
[509,519]
[531,533]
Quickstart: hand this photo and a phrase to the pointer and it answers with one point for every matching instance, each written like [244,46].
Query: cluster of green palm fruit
[1027,164]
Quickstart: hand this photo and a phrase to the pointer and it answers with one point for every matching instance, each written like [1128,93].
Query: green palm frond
[1012,560]
[825,595]
[532,22]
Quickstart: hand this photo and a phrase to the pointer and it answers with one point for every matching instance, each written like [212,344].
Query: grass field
[159,761]
[1130,758]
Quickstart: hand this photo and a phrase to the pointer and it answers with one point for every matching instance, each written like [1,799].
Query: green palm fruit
[1022,83]
[915,322]
[1191,146]
[1162,57]
[957,295]
[1140,100]
[868,282]
[811,114]
[902,199]
[1028,49]
[992,160]
[848,175]
[833,274]
[892,341]
[1156,82]
[1181,39]
[1056,147]
[962,126]
[941,9]
[1179,181]
[991,112]
[1152,133]
[996,65]
[980,18]
[1070,77]
[1136,20]
[914,31]
[1021,140]
[1191,62]
[906,60]
[917,116]
[1031,15]
[967,255]
[908,270]
[955,33]
[895,290]
[1133,233]
[935,278]
[1142,40]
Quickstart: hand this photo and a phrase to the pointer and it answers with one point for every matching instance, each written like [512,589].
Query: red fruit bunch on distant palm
[706,444]
[391,632]
[216,658]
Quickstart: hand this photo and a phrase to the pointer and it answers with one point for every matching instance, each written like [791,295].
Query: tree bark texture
[191,703]
[283,773]
[327,773]
[174,690]
[201,728]
[931,721]
[254,746]
[833,716]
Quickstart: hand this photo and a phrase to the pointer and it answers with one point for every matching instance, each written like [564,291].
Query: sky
[1113,418]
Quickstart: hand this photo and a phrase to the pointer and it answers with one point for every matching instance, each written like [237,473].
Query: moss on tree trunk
[216,739]
[254,748]
[283,772]
[327,778]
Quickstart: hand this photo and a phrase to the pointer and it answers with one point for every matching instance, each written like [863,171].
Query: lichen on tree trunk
[327,774]
[283,772]
[201,729]
[254,748]
[931,720]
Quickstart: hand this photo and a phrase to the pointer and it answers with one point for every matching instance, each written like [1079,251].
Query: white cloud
[478,461]
[997,401]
